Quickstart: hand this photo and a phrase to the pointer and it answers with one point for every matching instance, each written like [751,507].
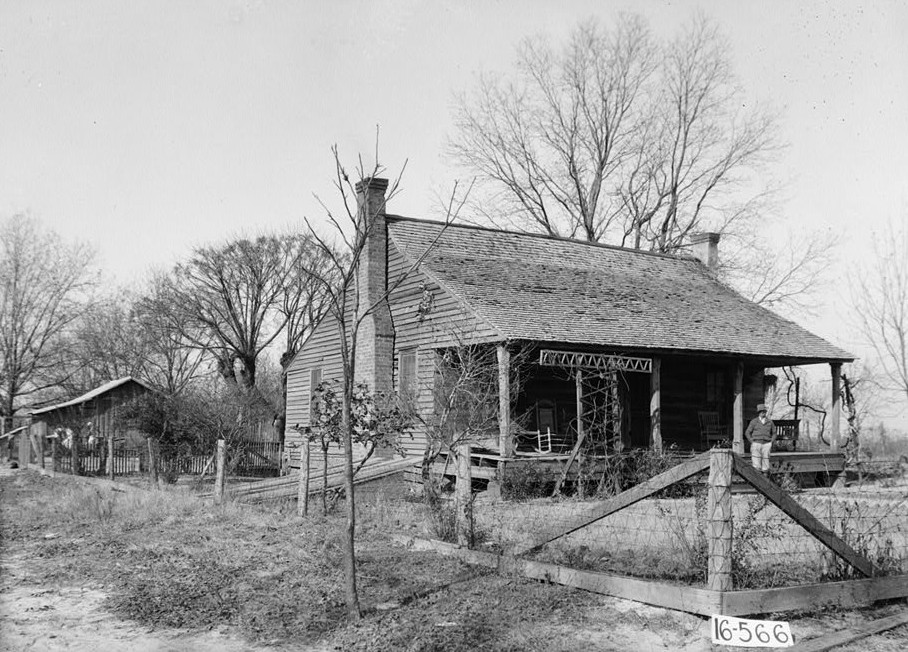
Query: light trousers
[759,455]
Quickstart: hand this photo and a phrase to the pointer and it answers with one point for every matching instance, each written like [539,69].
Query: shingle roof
[547,289]
[97,391]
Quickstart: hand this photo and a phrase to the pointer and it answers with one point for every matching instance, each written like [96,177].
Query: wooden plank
[671,596]
[836,639]
[836,411]
[659,594]
[655,405]
[581,433]
[848,594]
[288,486]
[805,519]
[625,499]
[737,411]
[505,436]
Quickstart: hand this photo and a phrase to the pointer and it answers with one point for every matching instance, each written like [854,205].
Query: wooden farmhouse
[634,348]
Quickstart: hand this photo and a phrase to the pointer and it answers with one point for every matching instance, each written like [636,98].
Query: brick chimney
[705,247]
[375,344]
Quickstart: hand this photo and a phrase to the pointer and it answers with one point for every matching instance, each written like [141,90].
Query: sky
[148,127]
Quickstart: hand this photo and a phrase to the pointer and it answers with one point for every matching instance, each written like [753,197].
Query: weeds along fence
[712,535]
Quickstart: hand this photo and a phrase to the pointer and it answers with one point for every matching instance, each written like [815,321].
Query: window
[315,377]
[406,384]
[715,388]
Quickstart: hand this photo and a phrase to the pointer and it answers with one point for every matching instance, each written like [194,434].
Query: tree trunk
[429,487]
[152,461]
[220,481]
[353,610]
[324,476]
[463,497]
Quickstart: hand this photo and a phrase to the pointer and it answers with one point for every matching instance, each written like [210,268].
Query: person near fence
[761,434]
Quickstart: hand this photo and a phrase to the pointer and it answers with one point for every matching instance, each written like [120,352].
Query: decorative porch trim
[601,361]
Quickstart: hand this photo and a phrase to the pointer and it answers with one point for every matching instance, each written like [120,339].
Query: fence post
[110,455]
[221,477]
[463,497]
[302,497]
[53,453]
[719,520]
[25,449]
[40,436]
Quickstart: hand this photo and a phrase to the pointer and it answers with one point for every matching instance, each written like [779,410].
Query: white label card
[728,630]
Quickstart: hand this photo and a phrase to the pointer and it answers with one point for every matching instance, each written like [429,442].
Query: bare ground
[187,577]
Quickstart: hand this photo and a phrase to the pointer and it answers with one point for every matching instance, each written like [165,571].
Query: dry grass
[168,559]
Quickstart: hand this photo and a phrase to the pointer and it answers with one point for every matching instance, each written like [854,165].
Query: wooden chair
[712,431]
[787,431]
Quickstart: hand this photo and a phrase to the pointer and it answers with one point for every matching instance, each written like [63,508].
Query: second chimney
[705,247]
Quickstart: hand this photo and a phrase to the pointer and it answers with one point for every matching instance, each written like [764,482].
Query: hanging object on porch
[600,361]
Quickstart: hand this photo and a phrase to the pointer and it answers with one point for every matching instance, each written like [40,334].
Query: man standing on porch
[761,434]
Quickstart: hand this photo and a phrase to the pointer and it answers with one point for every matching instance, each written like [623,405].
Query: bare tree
[302,302]
[781,275]
[44,286]
[348,306]
[697,150]
[223,301]
[172,359]
[108,342]
[466,411]
[880,296]
[551,145]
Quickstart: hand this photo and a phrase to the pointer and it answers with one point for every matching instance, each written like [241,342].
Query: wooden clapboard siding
[448,323]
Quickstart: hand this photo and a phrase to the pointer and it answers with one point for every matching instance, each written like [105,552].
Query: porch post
[737,411]
[836,368]
[655,405]
[578,390]
[505,437]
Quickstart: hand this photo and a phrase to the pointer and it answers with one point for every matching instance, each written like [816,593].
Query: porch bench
[787,431]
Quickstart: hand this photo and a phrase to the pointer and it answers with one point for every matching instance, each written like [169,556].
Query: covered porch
[564,404]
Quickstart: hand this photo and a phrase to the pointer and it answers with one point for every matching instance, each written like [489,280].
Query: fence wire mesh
[665,537]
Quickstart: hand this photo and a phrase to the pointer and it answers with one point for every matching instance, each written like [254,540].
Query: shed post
[737,411]
[719,520]
[836,368]
[221,477]
[4,445]
[655,405]
[505,437]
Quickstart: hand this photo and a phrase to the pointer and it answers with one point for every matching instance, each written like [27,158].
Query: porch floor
[485,465]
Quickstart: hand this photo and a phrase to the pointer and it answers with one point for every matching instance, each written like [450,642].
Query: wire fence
[666,537]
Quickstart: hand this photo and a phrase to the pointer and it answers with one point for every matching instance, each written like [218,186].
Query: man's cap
[761,408]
